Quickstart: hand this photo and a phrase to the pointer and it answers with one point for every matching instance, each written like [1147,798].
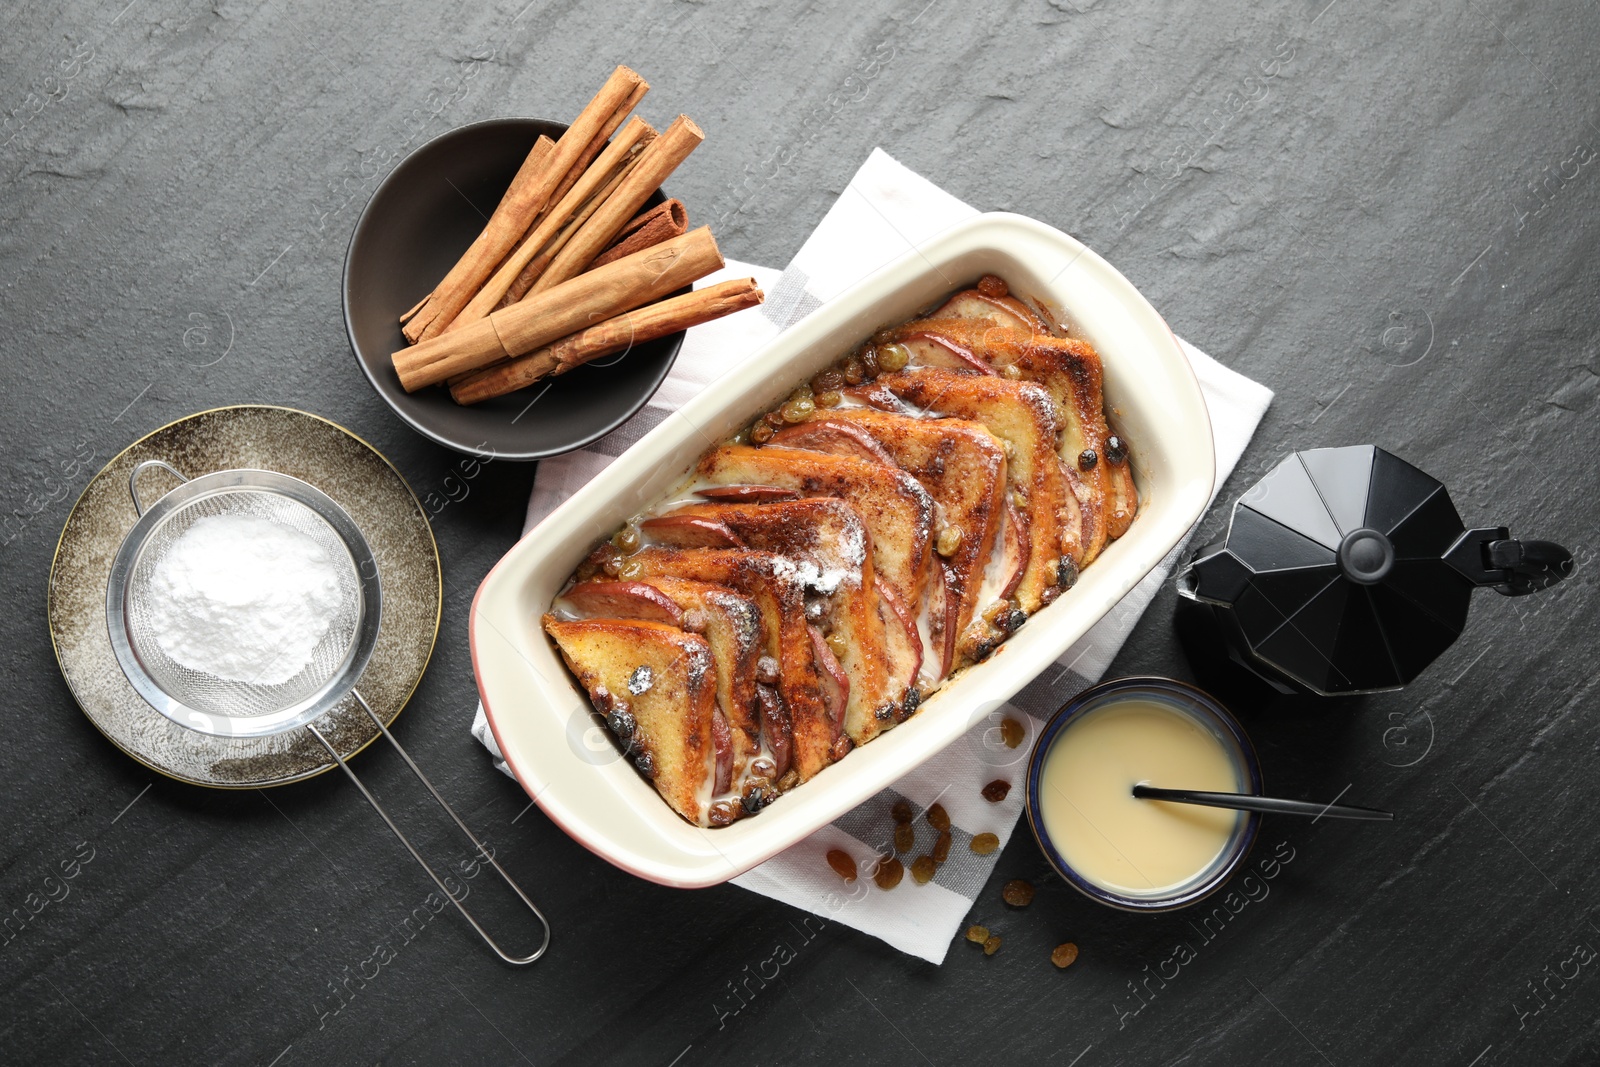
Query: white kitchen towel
[884,210]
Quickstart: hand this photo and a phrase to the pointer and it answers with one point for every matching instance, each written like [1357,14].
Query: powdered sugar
[244,598]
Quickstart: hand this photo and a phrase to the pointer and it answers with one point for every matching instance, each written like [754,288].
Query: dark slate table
[1384,212]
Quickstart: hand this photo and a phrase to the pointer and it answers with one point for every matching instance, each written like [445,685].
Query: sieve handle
[483,852]
[133,480]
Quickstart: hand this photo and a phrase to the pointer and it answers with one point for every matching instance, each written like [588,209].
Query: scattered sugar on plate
[244,598]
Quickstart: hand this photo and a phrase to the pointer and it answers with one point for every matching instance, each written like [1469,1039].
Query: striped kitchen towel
[886,208]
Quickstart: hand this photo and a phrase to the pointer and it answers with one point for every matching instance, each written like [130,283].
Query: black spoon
[1271,805]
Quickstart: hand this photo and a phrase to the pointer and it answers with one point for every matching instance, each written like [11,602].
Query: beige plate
[271,438]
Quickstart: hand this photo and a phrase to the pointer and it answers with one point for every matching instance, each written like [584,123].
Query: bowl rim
[1198,701]
[524,704]
[364,219]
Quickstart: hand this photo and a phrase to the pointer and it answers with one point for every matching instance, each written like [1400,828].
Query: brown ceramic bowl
[415,227]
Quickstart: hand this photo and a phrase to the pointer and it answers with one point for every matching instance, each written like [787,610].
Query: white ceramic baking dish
[541,717]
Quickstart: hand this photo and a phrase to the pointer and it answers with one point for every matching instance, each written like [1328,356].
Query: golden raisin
[1011,371]
[1012,732]
[949,541]
[991,946]
[630,569]
[829,398]
[843,864]
[1018,893]
[984,844]
[798,410]
[938,818]
[1063,955]
[612,565]
[760,433]
[837,644]
[977,934]
[627,539]
[923,869]
[894,356]
[853,371]
[901,810]
[888,873]
[904,837]
[996,790]
[941,848]
[773,419]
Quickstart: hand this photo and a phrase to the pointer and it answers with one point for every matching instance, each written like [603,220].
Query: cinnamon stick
[538,264]
[657,161]
[592,297]
[614,335]
[633,137]
[523,188]
[516,213]
[661,223]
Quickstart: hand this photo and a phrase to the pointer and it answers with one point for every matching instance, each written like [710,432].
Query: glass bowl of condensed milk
[1141,855]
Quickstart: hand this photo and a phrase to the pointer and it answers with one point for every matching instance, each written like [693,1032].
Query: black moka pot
[1347,570]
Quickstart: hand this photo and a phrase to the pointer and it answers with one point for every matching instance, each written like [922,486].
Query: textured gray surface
[1393,230]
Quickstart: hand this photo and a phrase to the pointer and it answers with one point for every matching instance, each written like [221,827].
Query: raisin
[854,373]
[843,864]
[1087,459]
[993,286]
[724,812]
[941,848]
[829,398]
[837,644]
[760,433]
[612,565]
[977,934]
[904,837]
[996,790]
[923,869]
[991,946]
[869,362]
[1018,893]
[901,810]
[1063,955]
[799,409]
[774,419]
[630,569]
[984,844]
[762,767]
[754,801]
[621,724]
[949,541]
[888,872]
[1116,449]
[894,356]
[938,818]
[627,539]
[1011,372]
[1012,732]
[646,764]
[827,381]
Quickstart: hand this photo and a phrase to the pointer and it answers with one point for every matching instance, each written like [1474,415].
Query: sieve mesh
[224,697]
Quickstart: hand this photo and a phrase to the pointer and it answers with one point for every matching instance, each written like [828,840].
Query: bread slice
[1001,331]
[827,540]
[1022,415]
[897,511]
[779,594]
[655,686]
[731,625]
[961,465]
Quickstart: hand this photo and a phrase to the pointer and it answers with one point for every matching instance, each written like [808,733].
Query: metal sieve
[224,707]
